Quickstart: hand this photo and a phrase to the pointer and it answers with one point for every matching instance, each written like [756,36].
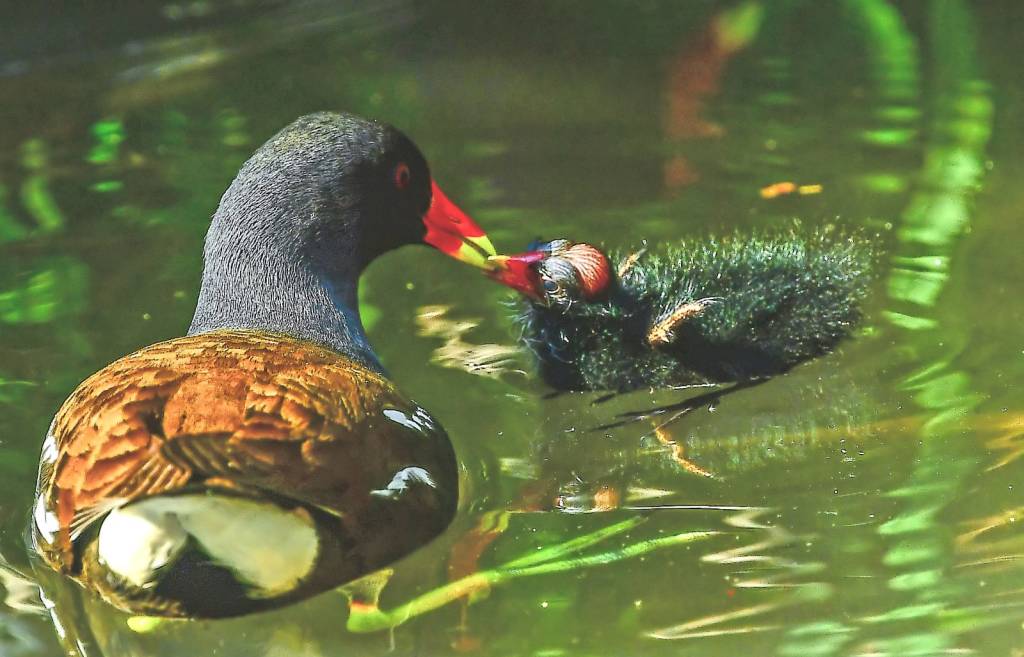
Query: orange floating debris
[783,188]
[778,189]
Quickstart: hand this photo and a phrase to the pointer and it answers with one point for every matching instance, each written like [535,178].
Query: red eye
[402,175]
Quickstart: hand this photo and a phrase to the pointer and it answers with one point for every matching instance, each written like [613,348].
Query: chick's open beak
[518,272]
[452,232]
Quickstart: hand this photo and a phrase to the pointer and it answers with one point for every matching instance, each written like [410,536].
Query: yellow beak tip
[484,243]
[472,256]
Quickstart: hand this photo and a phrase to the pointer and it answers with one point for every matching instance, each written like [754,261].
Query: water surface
[864,504]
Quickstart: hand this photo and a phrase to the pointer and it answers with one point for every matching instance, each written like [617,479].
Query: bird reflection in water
[487,360]
[694,77]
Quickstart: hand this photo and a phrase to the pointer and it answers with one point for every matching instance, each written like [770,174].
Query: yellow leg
[678,454]
[628,262]
[662,332]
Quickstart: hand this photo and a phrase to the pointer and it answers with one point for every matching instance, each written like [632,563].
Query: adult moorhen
[736,309]
[265,456]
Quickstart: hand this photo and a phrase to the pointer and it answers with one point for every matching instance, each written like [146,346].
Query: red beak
[452,232]
[517,272]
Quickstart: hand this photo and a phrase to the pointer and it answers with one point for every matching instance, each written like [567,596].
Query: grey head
[303,217]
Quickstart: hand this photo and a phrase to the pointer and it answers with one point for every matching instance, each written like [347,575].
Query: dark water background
[865,504]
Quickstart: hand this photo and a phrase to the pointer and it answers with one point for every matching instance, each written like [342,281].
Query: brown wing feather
[242,407]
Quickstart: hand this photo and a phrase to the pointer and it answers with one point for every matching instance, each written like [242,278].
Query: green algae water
[866,503]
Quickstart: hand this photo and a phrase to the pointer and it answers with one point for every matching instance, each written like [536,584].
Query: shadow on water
[864,504]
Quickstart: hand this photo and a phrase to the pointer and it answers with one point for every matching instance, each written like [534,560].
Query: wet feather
[730,309]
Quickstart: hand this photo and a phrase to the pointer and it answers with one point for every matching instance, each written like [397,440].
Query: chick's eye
[402,175]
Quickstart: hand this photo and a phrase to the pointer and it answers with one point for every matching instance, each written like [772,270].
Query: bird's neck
[281,293]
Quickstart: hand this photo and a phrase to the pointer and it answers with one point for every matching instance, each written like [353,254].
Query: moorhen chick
[727,310]
[264,457]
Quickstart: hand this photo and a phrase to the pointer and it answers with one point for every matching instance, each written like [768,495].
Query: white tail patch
[267,547]
[138,540]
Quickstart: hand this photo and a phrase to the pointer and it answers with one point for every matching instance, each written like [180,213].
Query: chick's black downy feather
[734,309]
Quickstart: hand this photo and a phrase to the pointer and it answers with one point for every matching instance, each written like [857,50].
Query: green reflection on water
[54,288]
[10,229]
[35,191]
[109,134]
[937,215]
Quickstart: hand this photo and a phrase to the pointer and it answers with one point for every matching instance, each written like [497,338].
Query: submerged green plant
[367,616]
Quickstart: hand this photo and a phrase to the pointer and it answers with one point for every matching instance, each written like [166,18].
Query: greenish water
[864,504]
